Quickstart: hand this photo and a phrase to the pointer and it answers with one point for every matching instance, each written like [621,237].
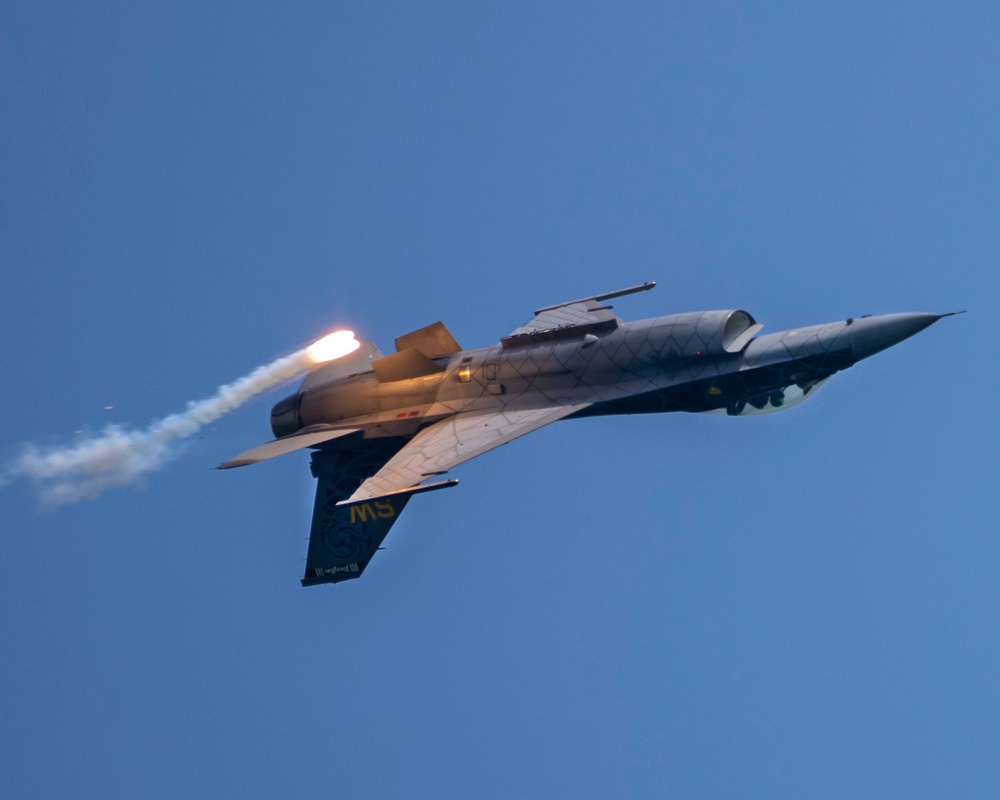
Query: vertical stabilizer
[346,535]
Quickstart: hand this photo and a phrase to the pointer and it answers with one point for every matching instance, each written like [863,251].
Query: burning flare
[118,457]
[337,344]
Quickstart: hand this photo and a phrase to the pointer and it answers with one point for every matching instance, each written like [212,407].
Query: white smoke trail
[117,457]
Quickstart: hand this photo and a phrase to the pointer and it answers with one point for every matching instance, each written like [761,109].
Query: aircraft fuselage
[671,363]
[383,428]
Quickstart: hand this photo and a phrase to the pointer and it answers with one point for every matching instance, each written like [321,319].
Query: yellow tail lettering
[385,510]
[362,512]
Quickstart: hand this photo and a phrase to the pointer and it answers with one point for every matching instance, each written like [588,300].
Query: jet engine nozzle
[871,335]
[285,419]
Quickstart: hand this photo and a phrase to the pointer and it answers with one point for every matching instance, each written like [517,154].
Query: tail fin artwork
[346,534]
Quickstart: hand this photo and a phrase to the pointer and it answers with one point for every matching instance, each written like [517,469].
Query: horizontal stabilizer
[286,444]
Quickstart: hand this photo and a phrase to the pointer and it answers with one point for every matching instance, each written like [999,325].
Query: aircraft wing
[309,437]
[572,318]
[452,441]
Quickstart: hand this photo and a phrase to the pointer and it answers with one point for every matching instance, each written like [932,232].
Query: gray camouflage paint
[572,360]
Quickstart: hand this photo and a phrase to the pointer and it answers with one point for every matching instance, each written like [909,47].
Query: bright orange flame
[337,344]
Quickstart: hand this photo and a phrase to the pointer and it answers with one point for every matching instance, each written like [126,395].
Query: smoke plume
[118,456]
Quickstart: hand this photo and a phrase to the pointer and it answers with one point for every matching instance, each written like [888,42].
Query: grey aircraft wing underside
[452,441]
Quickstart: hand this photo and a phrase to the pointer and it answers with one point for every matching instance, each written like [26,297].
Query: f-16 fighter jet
[386,427]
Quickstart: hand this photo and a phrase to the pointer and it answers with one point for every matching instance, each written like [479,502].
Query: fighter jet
[383,428]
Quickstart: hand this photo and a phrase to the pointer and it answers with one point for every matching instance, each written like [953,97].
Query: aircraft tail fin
[346,534]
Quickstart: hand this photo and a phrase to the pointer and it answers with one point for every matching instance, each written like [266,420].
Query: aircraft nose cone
[872,335]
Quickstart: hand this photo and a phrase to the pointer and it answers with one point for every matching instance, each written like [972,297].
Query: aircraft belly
[718,390]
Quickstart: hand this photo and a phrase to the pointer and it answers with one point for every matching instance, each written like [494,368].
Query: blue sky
[687,606]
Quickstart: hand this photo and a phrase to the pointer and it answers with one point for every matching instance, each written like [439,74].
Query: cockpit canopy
[708,333]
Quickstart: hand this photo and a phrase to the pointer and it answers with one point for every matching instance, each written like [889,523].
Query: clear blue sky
[801,605]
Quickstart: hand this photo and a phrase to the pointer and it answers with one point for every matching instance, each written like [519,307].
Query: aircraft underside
[733,393]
